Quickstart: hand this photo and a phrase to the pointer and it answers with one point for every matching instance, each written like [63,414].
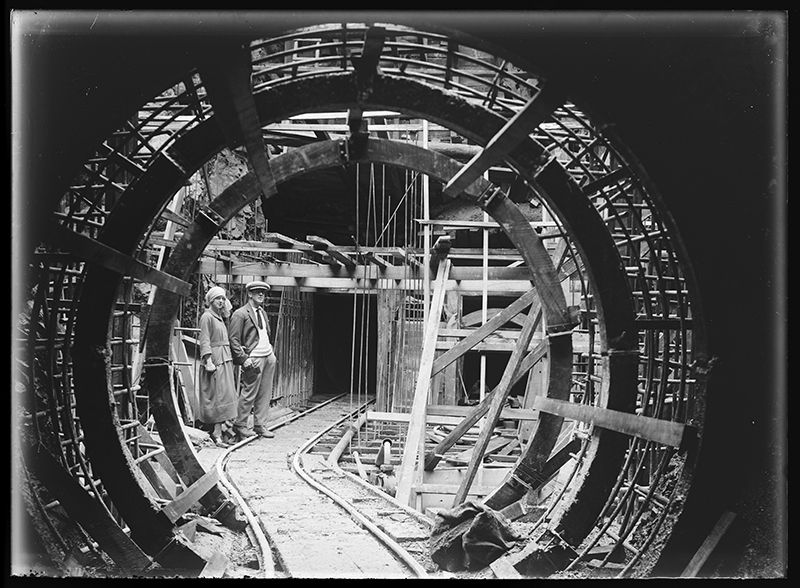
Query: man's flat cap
[257,286]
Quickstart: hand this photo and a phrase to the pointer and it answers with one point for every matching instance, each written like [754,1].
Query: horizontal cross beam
[649,428]
[95,252]
[396,272]
[376,283]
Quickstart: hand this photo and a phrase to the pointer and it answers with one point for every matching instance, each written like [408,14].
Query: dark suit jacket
[243,332]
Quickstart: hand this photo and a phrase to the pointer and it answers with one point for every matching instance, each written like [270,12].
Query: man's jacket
[243,332]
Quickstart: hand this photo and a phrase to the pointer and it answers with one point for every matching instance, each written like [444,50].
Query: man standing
[251,349]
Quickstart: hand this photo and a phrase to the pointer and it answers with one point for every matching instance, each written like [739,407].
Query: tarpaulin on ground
[470,536]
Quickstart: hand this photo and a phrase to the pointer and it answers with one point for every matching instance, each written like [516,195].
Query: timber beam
[390,271]
[513,132]
[227,79]
[433,457]
[307,249]
[373,283]
[321,244]
[499,398]
[414,437]
[409,255]
[95,252]
[651,429]
[87,511]
[484,330]
[372,258]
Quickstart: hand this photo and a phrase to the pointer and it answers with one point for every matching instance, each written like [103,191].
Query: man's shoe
[243,434]
[264,432]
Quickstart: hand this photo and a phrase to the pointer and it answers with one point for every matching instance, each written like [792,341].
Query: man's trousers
[255,392]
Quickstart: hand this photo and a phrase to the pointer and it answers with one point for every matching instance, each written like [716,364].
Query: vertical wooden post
[416,425]
[383,378]
[181,359]
[426,228]
[452,371]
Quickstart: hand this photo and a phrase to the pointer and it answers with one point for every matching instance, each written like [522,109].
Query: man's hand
[251,364]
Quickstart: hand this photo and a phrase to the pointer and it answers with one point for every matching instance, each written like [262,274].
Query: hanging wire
[393,217]
[355,294]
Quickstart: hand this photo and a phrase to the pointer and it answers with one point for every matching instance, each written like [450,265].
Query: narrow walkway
[312,536]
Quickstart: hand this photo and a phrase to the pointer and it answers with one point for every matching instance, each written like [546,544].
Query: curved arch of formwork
[305,159]
[638,315]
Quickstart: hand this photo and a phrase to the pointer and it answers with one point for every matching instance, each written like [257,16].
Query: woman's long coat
[217,390]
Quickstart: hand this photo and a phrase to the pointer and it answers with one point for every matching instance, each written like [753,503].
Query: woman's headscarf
[213,293]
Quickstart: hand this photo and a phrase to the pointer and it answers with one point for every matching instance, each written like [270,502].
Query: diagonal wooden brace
[416,425]
[432,458]
[178,507]
[98,253]
[513,132]
[498,401]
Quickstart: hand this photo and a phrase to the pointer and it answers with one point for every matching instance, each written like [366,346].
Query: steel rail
[263,545]
[390,543]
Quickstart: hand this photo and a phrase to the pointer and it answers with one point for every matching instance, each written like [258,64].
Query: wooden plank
[504,569]
[176,218]
[416,425]
[216,566]
[394,272]
[331,249]
[484,330]
[652,429]
[512,414]
[404,417]
[86,511]
[495,444]
[432,458]
[375,260]
[499,398]
[504,334]
[188,391]
[306,248]
[509,448]
[699,558]
[580,344]
[452,374]
[161,458]
[370,284]
[602,182]
[228,82]
[155,480]
[476,317]
[98,253]
[490,344]
[467,224]
[662,324]
[450,489]
[439,251]
[178,507]
[518,127]
[234,245]
[189,529]
[407,257]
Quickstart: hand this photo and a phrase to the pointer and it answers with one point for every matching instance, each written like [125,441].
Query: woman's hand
[209,366]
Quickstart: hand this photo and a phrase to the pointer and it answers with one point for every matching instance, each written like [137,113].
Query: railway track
[309,518]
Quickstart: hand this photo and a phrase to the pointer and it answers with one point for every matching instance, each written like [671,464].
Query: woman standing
[217,385]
